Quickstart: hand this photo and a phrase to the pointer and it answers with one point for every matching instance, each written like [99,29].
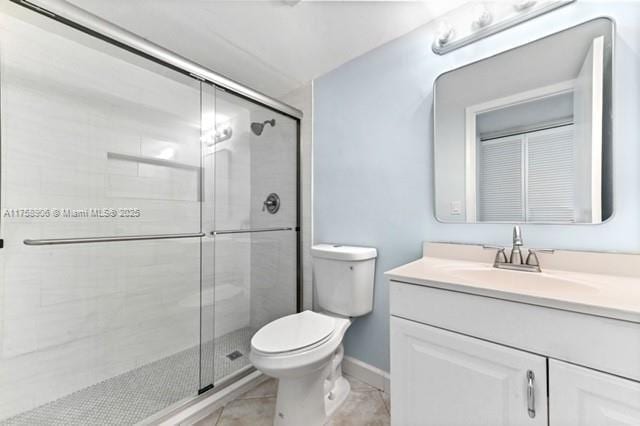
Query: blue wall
[373,163]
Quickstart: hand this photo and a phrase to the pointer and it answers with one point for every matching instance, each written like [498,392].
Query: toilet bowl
[304,351]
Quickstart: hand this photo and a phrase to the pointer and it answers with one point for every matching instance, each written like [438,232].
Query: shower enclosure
[149,224]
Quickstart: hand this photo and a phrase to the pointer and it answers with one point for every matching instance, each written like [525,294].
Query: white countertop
[608,295]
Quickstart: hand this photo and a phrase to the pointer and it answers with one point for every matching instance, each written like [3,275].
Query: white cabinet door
[442,378]
[582,397]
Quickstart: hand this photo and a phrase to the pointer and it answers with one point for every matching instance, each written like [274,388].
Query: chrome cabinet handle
[531,397]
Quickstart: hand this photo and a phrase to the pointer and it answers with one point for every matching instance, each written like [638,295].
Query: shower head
[257,128]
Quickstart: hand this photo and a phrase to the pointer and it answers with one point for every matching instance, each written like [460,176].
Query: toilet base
[311,399]
[300,400]
[337,396]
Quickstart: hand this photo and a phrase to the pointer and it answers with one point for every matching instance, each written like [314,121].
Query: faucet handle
[539,250]
[532,257]
[501,255]
[490,247]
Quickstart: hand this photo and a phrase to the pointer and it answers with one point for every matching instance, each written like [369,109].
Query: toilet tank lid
[342,252]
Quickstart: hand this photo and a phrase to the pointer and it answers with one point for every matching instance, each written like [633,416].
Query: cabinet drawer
[600,343]
[442,378]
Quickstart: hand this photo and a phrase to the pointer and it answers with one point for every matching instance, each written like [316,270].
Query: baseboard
[367,373]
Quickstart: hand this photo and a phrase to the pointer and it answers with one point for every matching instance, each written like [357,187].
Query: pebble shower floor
[137,394]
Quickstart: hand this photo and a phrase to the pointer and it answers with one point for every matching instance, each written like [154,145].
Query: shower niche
[137,261]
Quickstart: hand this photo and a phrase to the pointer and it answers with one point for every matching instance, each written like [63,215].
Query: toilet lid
[293,332]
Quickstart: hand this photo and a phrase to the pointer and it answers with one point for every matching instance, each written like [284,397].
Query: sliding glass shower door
[150,227]
[251,156]
[98,145]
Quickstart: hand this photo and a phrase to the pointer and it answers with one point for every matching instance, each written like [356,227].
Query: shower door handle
[251,230]
[121,238]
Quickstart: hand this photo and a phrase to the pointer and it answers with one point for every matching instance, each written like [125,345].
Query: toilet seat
[294,333]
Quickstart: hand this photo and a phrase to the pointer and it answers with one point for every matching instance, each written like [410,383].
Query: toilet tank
[344,277]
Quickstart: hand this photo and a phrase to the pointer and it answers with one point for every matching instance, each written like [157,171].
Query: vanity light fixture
[223,133]
[220,133]
[472,22]
[166,154]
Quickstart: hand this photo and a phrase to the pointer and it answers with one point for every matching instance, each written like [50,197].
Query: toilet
[304,350]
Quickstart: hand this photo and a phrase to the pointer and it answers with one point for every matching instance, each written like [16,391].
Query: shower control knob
[272,203]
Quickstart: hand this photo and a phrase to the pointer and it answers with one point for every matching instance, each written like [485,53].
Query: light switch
[456,208]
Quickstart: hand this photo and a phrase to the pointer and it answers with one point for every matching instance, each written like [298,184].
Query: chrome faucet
[515,258]
[515,263]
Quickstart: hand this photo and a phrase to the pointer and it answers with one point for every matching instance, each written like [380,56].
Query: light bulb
[483,17]
[523,5]
[445,33]
[166,154]
[223,133]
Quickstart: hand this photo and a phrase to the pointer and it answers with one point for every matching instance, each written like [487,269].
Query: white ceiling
[271,46]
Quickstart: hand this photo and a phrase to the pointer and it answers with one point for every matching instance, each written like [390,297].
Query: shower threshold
[133,396]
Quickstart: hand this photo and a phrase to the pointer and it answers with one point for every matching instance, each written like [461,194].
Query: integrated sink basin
[602,284]
[558,280]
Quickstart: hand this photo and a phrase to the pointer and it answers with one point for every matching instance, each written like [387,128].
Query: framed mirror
[525,136]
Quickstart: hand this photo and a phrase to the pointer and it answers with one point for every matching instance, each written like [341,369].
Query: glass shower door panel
[256,244]
[273,276]
[96,142]
[232,305]
[255,283]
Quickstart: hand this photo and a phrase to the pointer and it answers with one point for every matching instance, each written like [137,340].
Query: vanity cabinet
[464,359]
[444,378]
[472,344]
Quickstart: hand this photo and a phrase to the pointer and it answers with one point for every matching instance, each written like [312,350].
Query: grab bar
[248,231]
[56,241]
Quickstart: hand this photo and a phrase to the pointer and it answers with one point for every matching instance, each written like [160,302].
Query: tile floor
[365,405]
